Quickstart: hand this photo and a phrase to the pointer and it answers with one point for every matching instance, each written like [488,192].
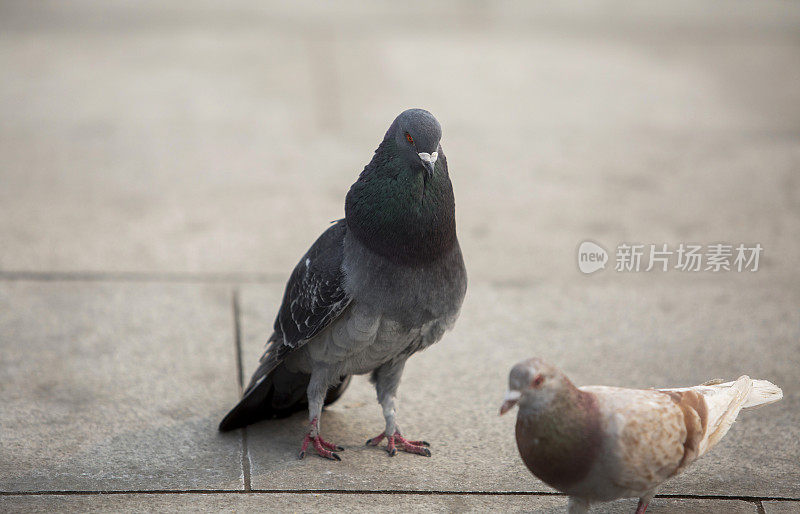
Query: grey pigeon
[598,443]
[378,286]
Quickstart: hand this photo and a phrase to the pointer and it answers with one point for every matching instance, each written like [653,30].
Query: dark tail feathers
[278,395]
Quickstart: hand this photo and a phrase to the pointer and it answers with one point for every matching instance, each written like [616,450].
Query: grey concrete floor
[163,162]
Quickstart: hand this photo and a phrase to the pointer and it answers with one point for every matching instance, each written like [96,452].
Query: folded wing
[313,299]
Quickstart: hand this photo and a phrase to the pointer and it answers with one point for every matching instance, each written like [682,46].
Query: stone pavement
[164,165]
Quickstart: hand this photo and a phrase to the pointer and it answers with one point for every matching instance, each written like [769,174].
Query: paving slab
[687,506]
[116,386]
[599,332]
[781,507]
[345,503]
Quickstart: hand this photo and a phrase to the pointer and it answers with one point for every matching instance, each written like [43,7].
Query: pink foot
[418,447]
[641,507]
[322,446]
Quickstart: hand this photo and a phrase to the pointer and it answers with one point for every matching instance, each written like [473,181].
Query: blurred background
[221,137]
[160,161]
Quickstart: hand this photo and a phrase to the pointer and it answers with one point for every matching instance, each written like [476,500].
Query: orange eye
[409,138]
[537,381]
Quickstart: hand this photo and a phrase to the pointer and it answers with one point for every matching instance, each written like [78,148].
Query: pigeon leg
[387,379]
[316,395]
[644,501]
[577,505]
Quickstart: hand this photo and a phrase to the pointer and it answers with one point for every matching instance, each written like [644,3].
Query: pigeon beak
[429,161]
[511,398]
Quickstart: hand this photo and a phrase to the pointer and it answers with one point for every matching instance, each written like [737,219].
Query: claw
[419,450]
[322,446]
[375,441]
[330,446]
[397,441]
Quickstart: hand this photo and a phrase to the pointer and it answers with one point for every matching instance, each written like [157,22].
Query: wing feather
[647,431]
[313,299]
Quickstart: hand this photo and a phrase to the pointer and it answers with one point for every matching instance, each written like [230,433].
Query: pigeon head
[402,206]
[534,384]
[558,425]
[416,134]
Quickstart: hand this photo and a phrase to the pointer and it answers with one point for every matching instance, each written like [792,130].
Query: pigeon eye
[537,381]
[409,138]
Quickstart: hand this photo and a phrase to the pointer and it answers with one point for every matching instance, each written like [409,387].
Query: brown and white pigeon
[598,443]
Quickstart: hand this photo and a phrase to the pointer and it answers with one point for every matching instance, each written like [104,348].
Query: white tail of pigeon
[764,393]
[723,403]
